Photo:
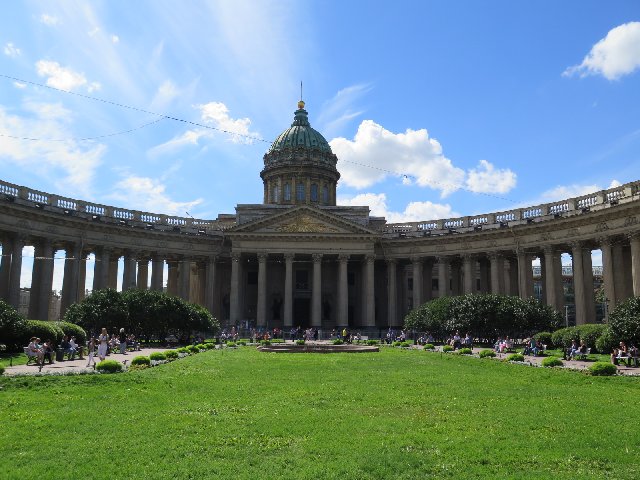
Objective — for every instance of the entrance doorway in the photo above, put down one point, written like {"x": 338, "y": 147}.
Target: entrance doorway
{"x": 301, "y": 311}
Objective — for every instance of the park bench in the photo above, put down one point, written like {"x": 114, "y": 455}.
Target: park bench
{"x": 582, "y": 356}
{"x": 31, "y": 356}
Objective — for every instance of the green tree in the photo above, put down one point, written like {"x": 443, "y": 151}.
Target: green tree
{"x": 12, "y": 327}
{"x": 624, "y": 321}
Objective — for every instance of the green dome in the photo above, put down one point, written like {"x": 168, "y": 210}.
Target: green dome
{"x": 300, "y": 134}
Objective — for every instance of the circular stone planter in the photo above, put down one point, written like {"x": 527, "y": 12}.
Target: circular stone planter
{"x": 318, "y": 348}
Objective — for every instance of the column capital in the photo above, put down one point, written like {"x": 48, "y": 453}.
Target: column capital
{"x": 469, "y": 256}
{"x": 317, "y": 257}
{"x": 416, "y": 259}
{"x": 344, "y": 257}
{"x": 549, "y": 249}
{"x": 391, "y": 261}
{"x": 633, "y": 235}
{"x": 212, "y": 258}
{"x": 370, "y": 257}
{"x": 442, "y": 259}
{"x": 235, "y": 257}
{"x": 289, "y": 257}
{"x": 262, "y": 257}
{"x": 605, "y": 241}
{"x": 495, "y": 256}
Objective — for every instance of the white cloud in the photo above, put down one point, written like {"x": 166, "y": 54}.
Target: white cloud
{"x": 614, "y": 56}
{"x": 10, "y": 50}
{"x": 339, "y": 111}
{"x": 166, "y": 93}
{"x": 93, "y": 32}
{"x": 148, "y": 194}
{"x": 375, "y": 153}
{"x": 115, "y": 39}
{"x": 63, "y": 78}
{"x": 614, "y": 183}
{"x": 486, "y": 179}
{"x": 413, "y": 212}
{"x": 71, "y": 164}
{"x": 50, "y": 20}
{"x": 190, "y": 137}
{"x": 19, "y": 85}
{"x": 217, "y": 114}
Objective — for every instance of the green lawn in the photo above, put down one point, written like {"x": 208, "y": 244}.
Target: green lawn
{"x": 394, "y": 414}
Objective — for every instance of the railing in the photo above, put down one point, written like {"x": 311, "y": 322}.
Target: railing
{"x": 95, "y": 211}
{"x": 572, "y": 206}
{"x": 567, "y": 271}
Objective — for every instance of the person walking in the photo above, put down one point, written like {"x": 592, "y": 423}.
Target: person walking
{"x": 103, "y": 338}
{"x": 123, "y": 342}
{"x": 91, "y": 347}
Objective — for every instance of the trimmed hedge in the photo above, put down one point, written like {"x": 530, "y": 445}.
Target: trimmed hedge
{"x": 300, "y": 341}
{"x": 12, "y": 327}
{"x": 447, "y": 348}
{"x": 552, "y": 362}
{"x": 43, "y": 330}
{"x": 74, "y": 330}
{"x": 140, "y": 360}
{"x": 607, "y": 341}
{"x": 182, "y": 350}
{"x": 624, "y": 321}
{"x": 171, "y": 354}
{"x": 487, "y": 353}
{"x": 515, "y": 357}
{"x": 545, "y": 338}
{"x": 429, "y": 346}
{"x": 372, "y": 342}
{"x": 193, "y": 349}
{"x": 157, "y": 356}
{"x": 338, "y": 341}
{"x": 465, "y": 351}
{"x": 603, "y": 369}
{"x": 109, "y": 366}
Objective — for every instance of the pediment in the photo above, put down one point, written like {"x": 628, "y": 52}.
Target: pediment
{"x": 303, "y": 220}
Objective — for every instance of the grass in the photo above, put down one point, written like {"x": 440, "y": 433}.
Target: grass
{"x": 394, "y": 414}
{"x": 17, "y": 358}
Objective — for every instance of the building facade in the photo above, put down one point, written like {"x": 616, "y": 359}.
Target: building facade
{"x": 300, "y": 259}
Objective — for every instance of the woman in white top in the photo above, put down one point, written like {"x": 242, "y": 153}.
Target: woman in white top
{"x": 103, "y": 338}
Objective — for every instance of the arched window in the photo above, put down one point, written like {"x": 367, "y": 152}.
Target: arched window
{"x": 300, "y": 194}
{"x": 287, "y": 192}
{"x": 275, "y": 194}
{"x": 325, "y": 195}
{"x": 314, "y": 192}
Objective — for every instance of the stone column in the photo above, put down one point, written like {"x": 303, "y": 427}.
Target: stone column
{"x": 129, "y": 272}
{"x": 71, "y": 279}
{"x": 288, "y": 289}
{"x": 455, "y": 277}
{"x": 427, "y": 283}
{"x": 417, "y": 281}
{"x": 101, "y": 268}
{"x": 184, "y": 279}
{"x": 261, "y": 314}
{"x": 484, "y": 275}
{"x": 468, "y": 262}
{"x": 370, "y": 315}
{"x": 234, "y": 296}
{"x": 142, "y": 282}
{"x": 524, "y": 272}
{"x": 209, "y": 288}
{"x": 5, "y": 268}
{"x": 392, "y": 292}
{"x": 47, "y": 281}
{"x": 578, "y": 283}
{"x": 343, "y": 291}
{"x": 316, "y": 292}
{"x": 36, "y": 281}
{"x": 157, "y": 273}
{"x": 608, "y": 274}
{"x": 112, "y": 279}
{"x": 497, "y": 273}
{"x": 634, "y": 239}
{"x": 443, "y": 276}
{"x": 82, "y": 276}
{"x": 16, "y": 270}
{"x": 553, "y": 283}
{"x": 589, "y": 293}
{"x": 201, "y": 268}
{"x": 513, "y": 276}
{"x": 172, "y": 279}
{"x": 618, "y": 272}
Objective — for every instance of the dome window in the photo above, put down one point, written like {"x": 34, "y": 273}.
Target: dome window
{"x": 314, "y": 192}
{"x": 275, "y": 194}
{"x": 300, "y": 193}
{"x": 287, "y": 192}
{"x": 325, "y": 195}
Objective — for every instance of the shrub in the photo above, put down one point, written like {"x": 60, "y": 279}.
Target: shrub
{"x": 142, "y": 366}
{"x": 265, "y": 343}
{"x": 396, "y": 344}
{"x": 372, "y": 342}
{"x": 73, "y": 330}
{"x": 447, "y": 348}
{"x": 171, "y": 354}
{"x": 140, "y": 360}
{"x": 603, "y": 369}
{"x": 12, "y": 327}
{"x": 515, "y": 357}
{"x": 157, "y": 356}
{"x": 232, "y": 344}
{"x": 624, "y": 321}
{"x": 300, "y": 341}
{"x": 182, "y": 350}
{"x": 193, "y": 349}
{"x": 1, "y": 370}
{"x": 606, "y": 342}
{"x": 552, "y": 362}
{"x": 109, "y": 366}
{"x": 338, "y": 341}
{"x": 405, "y": 344}
{"x": 565, "y": 336}
{"x": 429, "y": 346}
{"x": 487, "y": 353}
{"x": 465, "y": 351}
{"x": 210, "y": 346}
{"x": 545, "y": 338}
{"x": 589, "y": 334}
{"x": 201, "y": 346}
{"x": 43, "y": 330}
{"x": 241, "y": 342}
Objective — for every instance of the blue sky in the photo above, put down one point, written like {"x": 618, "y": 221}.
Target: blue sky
{"x": 462, "y": 107}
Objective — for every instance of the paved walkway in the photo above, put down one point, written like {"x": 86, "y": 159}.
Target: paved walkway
{"x": 75, "y": 366}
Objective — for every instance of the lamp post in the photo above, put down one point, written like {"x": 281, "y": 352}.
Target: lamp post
{"x": 566, "y": 315}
